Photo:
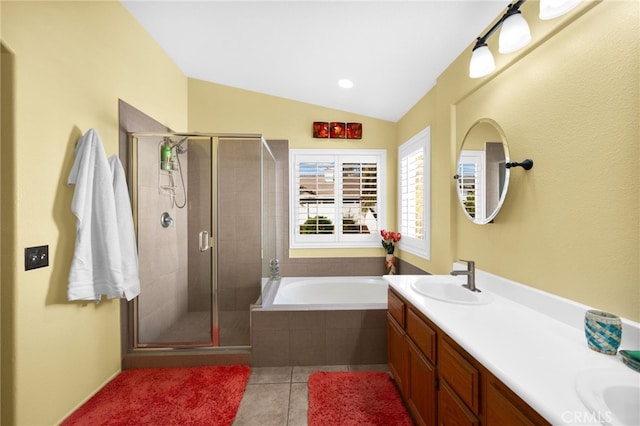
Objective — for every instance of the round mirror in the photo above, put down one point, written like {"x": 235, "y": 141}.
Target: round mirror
{"x": 482, "y": 177}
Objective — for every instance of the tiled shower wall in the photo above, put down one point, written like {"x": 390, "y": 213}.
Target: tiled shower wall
{"x": 162, "y": 251}
{"x": 239, "y": 238}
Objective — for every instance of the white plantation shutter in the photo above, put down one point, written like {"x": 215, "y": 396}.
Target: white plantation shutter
{"x": 414, "y": 194}
{"x": 470, "y": 183}
{"x": 359, "y": 197}
{"x": 315, "y": 185}
{"x": 337, "y": 197}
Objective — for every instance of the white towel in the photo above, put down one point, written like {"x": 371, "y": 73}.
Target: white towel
{"x": 97, "y": 266}
{"x": 126, "y": 231}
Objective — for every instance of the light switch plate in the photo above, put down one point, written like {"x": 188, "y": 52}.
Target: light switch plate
{"x": 36, "y": 257}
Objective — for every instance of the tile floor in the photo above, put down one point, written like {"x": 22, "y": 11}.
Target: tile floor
{"x": 277, "y": 396}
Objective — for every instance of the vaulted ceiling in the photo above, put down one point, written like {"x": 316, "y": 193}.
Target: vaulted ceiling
{"x": 392, "y": 51}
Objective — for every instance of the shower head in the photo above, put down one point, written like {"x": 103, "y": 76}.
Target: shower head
{"x": 178, "y": 145}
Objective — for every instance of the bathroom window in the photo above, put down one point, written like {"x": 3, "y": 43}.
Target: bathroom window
{"x": 414, "y": 194}
{"x": 337, "y": 197}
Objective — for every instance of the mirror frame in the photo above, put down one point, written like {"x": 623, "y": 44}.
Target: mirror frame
{"x": 489, "y": 218}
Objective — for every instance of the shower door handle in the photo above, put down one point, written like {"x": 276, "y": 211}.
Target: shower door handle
{"x": 205, "y": 243}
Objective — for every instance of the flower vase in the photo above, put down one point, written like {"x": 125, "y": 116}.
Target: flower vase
{"x": 390, "y": 264}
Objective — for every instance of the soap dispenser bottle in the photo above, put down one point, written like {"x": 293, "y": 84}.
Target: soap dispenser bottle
{"x": 166, "y": 154}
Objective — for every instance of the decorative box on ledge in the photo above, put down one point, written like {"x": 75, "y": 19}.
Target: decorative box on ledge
{"x": 336, "y": 130}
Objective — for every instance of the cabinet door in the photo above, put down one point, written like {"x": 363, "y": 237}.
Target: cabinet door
{"x": 452, "y": 411}
{"x": 505, "y": 408}
{"x": 422, "y": 387}
{"x": 398, "y": 355}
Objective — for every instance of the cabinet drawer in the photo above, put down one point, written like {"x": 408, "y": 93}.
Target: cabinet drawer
{"x": 460, "y": 374}
{"x": 422, "y": 334}
{"x": 396, "y": 308}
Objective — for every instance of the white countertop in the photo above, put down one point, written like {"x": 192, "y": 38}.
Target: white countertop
{"x": 532, "y": 341}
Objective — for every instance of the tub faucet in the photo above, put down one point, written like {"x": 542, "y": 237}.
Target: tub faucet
{"x": 274, "y": 269}
{"x": 470, "y": 273}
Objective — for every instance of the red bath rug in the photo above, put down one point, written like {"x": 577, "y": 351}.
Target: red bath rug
{"x": 355, "y": 398}
{"x": 167, "y": 396}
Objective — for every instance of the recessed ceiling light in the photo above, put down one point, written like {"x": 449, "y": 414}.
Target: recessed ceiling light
{"x": 345, "y": 83}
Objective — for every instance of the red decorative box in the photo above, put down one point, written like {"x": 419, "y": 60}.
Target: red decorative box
{"x": 320, "y": 129}
{"x": 337, "y": 130}
{"x": 354, "y": 130}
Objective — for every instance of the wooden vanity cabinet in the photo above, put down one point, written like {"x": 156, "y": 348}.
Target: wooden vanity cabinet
{"x": 440, "y": 382}
{"x": 397, "y": 347}
{"x": 413, "y": 371}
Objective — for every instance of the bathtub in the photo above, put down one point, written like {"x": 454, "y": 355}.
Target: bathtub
{"x": 328, "y": 293}
{"x": 320, "y": 321}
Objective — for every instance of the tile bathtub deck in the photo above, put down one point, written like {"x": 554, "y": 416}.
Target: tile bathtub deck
{"x": 278, "y": 396}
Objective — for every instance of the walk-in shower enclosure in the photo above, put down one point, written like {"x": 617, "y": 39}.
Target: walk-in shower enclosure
{"x": 204, "y": 210}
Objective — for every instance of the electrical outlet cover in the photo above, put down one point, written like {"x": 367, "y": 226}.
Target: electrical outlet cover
{"x": 36, "y": 257}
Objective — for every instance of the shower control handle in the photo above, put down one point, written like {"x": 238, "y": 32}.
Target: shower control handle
{"x": 205, "y": 242}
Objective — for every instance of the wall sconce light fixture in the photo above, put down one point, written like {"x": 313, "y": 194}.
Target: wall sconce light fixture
{"x": 550, "y": 9}
{"x": 514, "y": 35}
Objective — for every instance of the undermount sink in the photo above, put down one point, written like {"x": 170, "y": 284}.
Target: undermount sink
{"x": 613, "y": 397}
{"x": 447, "y": 289}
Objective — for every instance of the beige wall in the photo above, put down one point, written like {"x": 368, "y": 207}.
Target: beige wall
{"x": 570, "y": 226}
{"x": 73, "y": 60}
{"x": 3, "y": 70}
{"x": 223, "y": 109}
{"x": 429, "y": 113}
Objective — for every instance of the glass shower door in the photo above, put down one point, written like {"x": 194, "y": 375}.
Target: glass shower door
{"x": 204, "y": 208}
{"x": 172, "y": 181}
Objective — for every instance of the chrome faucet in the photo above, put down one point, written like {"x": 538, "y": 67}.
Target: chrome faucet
{"x": 470, "y": 273}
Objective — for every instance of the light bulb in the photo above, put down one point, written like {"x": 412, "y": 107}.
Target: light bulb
{"x": 481, "y": 63}
{"x": 514, "y": 35}
{"x": 550, "y": 9}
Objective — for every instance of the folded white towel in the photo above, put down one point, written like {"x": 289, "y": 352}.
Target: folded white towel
{"x": 96, "y": 268}
{"x": 126, "y": 230}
